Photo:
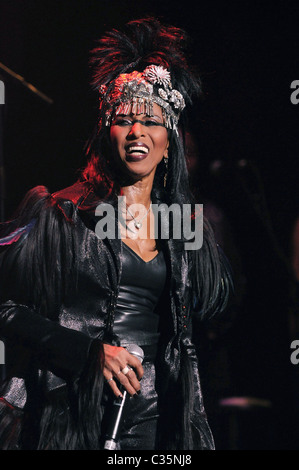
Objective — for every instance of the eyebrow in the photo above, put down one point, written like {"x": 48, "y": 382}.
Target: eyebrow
{"x": 130, "y": 116}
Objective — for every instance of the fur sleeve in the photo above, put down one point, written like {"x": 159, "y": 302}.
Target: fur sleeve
{"x": 37, "y": 267}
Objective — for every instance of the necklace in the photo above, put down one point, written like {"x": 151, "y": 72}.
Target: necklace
{"x": 138, "y": 223}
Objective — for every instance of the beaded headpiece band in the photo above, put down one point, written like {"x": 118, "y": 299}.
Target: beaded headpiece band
{"x": 140, "y": 90}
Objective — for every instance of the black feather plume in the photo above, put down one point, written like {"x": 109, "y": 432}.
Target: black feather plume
{"x": 141, "y": 43}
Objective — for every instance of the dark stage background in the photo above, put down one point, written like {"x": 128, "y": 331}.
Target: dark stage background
{"x": 245, "y": 133}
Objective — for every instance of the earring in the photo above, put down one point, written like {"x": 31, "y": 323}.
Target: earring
{"x": 166, "y": 170}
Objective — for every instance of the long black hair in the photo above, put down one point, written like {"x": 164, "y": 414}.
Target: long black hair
{"x": 141, "y": 43}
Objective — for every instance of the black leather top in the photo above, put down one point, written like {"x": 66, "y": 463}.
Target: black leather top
{"x": 142, "y": 283}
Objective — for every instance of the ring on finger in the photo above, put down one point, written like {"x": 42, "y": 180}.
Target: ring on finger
{"x": 109, "y": 380}
{"x": 125, "y": 370}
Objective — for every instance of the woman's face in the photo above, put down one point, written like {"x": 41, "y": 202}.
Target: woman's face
{"x": 140, "y": 141}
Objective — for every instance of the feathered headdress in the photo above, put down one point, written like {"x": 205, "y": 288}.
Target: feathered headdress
{"x": 142, "y": 65}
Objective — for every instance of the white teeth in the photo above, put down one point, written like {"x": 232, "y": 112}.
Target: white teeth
{"x": 137, "y": 149}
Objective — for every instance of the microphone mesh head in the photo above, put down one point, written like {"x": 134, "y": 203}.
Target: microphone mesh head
{"x": 136, "y": 351}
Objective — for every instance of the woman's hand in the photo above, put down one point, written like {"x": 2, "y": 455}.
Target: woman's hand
{"x": 117, "y": 361}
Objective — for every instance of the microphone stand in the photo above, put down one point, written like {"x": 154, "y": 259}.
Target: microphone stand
{"x": 32, "y": 89}
{"x": 21, "y": 80}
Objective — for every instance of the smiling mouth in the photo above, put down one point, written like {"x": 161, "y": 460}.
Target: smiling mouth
{"x": 136, "y": 152}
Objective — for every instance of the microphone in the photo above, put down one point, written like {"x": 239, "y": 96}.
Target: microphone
{"x": 118, "y": 407}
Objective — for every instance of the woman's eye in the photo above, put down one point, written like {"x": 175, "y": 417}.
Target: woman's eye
{"x": 151, "y": 123}
{"x": 123, "y": 122}
{"x": 128, "y": 122}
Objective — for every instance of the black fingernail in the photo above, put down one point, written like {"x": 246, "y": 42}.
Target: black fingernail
{"x": 138, "y": 392}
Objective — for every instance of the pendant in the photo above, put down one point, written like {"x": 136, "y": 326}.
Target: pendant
{"x": 138, "y": 225}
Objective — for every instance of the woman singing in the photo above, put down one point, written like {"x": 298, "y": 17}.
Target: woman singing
{"x": 93, "y": 269}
